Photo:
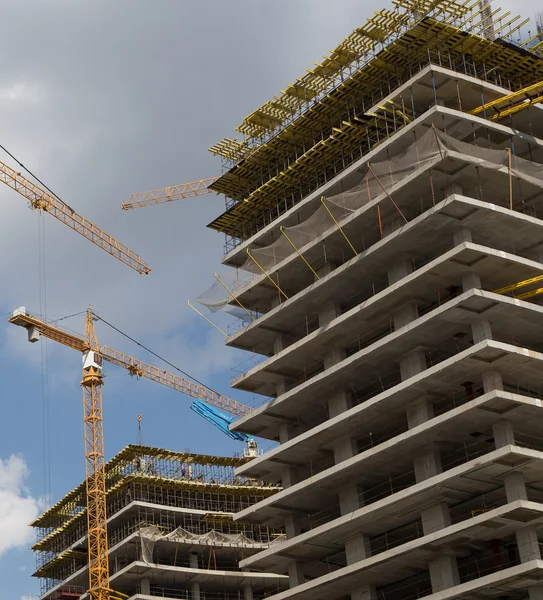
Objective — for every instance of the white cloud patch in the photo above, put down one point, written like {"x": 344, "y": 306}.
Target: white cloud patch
{"x": 22, "y": 93}
{"x": 17, "y": 507}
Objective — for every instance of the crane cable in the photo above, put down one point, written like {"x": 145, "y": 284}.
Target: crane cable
{"x": 42, "y": 276}
{"x": 153, "y": 353}
{"x": 35, "y": 177}
{"x": 46, "y": 433}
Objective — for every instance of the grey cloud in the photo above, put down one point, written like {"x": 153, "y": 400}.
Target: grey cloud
{"x": 103, "y": 99}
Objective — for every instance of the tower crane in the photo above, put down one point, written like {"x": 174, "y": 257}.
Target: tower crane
{"x": 168, "y": 194}
{"x": 40, "y": 199}
{"x": 92, "y": 382}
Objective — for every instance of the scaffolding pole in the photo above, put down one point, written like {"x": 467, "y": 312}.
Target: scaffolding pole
{"x": 282, "y": 229}
{"x": 234, "y": 297}
{"x": 338, "y": 226}
{"x": 265, "y": 272}
{"x": 204, "y": 317}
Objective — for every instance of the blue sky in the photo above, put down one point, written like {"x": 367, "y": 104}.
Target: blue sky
{"x": 102, "y": 100}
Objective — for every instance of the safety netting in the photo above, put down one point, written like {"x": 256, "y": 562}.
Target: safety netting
{"x": 375, "y": 184}
{"x": 151, "y": 534}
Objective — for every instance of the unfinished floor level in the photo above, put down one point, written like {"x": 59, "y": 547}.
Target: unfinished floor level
{"x": 385, "y": 260}
{"x": 170, "y": 528}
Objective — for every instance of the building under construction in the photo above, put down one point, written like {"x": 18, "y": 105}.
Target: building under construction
{"x": 170, "y": 530}
{"x": 385, "y": 244}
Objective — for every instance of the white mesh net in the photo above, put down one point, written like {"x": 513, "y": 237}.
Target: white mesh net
{"x": 379, "y": 177}
{"x": 150, "y": 535}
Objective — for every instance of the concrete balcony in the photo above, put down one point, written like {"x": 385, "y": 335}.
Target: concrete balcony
{"x": 458, "y": 122}
{"x": 371, "y": 320}
{"x": 430, "y": 235}
{"x": 377, "y": 366}
{"x": 413, "y": 195}
{"x": 401, "y": 562}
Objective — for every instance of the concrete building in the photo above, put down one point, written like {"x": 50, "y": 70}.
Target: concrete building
{"x": 170, "y": 528}
{"x": 385, "y": 234}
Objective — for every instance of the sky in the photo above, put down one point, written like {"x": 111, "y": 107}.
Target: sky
{"x": 103, "y": 99}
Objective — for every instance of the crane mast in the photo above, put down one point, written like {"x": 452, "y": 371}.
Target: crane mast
{"x": 95, "y": 466}
{"x": 92, "y": 382}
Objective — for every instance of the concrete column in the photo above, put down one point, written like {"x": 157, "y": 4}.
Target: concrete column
{"x": 427, "y": 462}
{"x": 145, "y": 585}
{"x": 357, "y": 548}
{"x": 515, "y": 487}
{"x": 464, "y": 235}
{"x": 295, "y": 574}
{"x": 328, "y": 313}
{"x": 289, "y": 475}
{"x": 286, "y": 432}
{"x": 280, "y": 387}
{"x": 292, "y": 525}
{"x": 471, "y": 281}
{"x": 435, "y": 517}
{"x": 419, "y": 412}
{"x": 444, "y": 573}
{"x": 412, "y": 364}
{"x": 400, "y": 270}
{"x": 247, "y": 592}
{"x": 481, "y": 330}
{"x": 195, "y": 586}
{"x": 339, "y": 404}
{"x": 503, "y": 433}
{"x": 351, "y": 498}
{"x": 454, "y": 188}
{"x": 492, "y": 381}
{"x": 528, "y": 544}
{"x": 405, "y": 315}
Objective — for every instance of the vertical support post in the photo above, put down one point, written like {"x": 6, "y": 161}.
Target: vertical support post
{"x": 95, "y": 469}
{"x": 510, "y": 178}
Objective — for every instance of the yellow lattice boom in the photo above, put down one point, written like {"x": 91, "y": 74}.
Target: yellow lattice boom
{"x": 168, "y": 194}
{"x": 132, "y": 365}
{"x": 43, "y": 200}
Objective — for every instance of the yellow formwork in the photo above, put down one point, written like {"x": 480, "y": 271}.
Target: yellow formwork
{"x": 365, "y": 56}
{"x": 425, "y": 34}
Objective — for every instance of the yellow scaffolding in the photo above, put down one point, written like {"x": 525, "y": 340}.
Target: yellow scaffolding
{"x": 306, "y": 105}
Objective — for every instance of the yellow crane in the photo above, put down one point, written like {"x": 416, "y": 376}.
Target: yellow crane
{"x": 506, "y": 105}
{"x": 40, "y": 199}
{"x": 93, "y": 357}
{"x": 168, "y": 194}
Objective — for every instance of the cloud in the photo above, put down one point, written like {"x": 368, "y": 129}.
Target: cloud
{"x": 17, "y": 507}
